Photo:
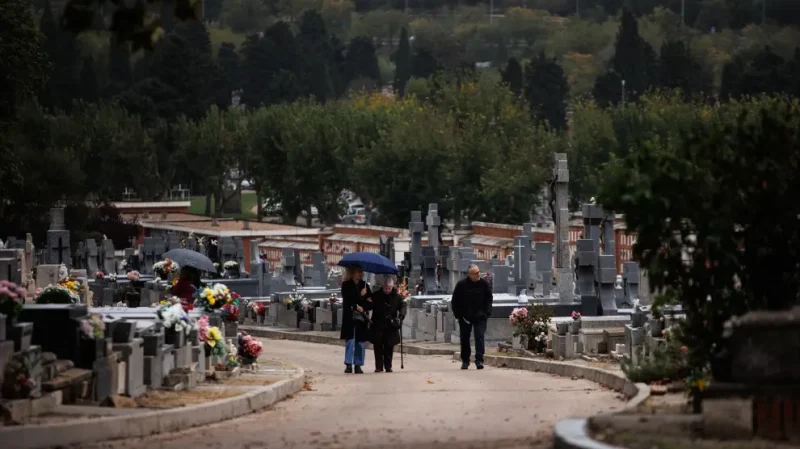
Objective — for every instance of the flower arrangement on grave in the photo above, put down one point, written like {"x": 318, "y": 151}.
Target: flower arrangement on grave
{"x": 165, "y": 267}
{"x": 174, "y": 317}
{"x": 308, "y": 307}
{"x": 112, "y": 277}
{"x": 250, "y": 349}
{"x": 214, "y": 345}
{"x": 258, "y": 308}
{"x": 73, "y": 284}
{"x": 531, "y": 322}
{"x": 99, "y": 275}
{"x": 217, "y": 265}
{"x": 133, "y": 275}
{"x": 232, "y": 361}
{"x": 120, "y": 304}
{"x": 402, "y": 290}
{"x": 17, "y": 380}
{"x": 230, "y": 312}
{"x": 231, "y": 265}
{"x": 123, "y": 265}
{"x": 576, "y": 316}
{"x": 63, "y": 273}
{"x": 202, "y": 327}
{"x": 57, "y": 294}
{"x": 333, "y": 298}
{"x": 12, "y": 297}
{"x": 93, "y": 327}
{"x": 213, "y": 298}
{"x": 518, "y": 319}
{"x": 296, "y": 301}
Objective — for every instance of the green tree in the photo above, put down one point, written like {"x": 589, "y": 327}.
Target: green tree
{"x": 361, "y": 60}
{"x": 230, "y": 73}
{"x": 546, "y": 91}
{"x": 512, "y": 76}
{"x": 317, "y": 71}
{"x": 63, "y": 53}
{"x": 678, "y": 69}
{"x": 270, "y": 67}
{"x": 403, "y": 63}
{"x": 87, "y": 83}
{"x": 120, "y": 74}
{"x": 246, "y": 16}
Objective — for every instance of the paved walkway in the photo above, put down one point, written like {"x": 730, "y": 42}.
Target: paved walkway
{"x": 430, "y": 404}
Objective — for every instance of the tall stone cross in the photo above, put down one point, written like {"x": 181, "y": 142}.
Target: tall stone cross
{"x": 416, "y": 227}
{"x": 559, "y": 203}
{"x": 433, "y": 221}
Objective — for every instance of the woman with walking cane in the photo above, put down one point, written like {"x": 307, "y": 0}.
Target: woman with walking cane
{"x": 388, "y": 311}
{"x": 355, "y": 323}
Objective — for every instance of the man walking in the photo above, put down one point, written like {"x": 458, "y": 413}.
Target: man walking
{"x": 472, "y": 307}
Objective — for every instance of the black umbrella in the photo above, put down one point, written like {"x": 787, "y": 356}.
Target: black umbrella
{"x": 189, "y": 258}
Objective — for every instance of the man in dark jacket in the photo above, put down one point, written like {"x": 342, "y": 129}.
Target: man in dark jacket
{"x": 472, "y": 307}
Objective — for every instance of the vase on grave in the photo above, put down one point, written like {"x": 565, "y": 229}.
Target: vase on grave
{"x": 260, "y": 319}
{"x": 138, "y": 285}
{"x": 133, "y": 299}
{"x": 163, "y": 276}
{"x": 763, "y": 348}
{"x": 562, "y": 328}
{"x": 176, "y": 338}
{"x": 231, "y": 329}
{"x": 247, "y": 361}
{"x": 575, "y": 327}
{"x": 638, "y": 319}
{"x": 232, "y": 274}
{"x": 657, "y": 327}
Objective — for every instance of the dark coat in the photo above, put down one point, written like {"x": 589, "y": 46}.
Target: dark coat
{"x": 386, "y": 307}
{"x": 351, "y": 297}
{"x": 472, "y": 300}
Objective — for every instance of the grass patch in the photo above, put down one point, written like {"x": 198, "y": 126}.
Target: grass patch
{"x": 198, "y": 206}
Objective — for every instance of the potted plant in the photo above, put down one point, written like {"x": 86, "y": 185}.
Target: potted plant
{"x": 176, "y": 321}
{"x": 230, "y": 315}
{"x": 12, "y": 297}
{"x": 164, "y": 268}
{"x": 575, "y": 324}
{"x": 57, "y": 294}
{"x": 518, "y": 319}
{"x": 231, "y": 269}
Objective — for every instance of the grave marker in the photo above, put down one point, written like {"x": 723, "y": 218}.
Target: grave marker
{"x": 559, "y": 205}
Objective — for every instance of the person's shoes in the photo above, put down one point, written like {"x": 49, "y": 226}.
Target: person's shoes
{"x": 358, "y": 370}
{"x": 379, "y": 370}
{"x": 349, "y": 369}
{"x": 465, "y": 366}
{"x": 389, "y": 370}
{"x": 479, "y": 365}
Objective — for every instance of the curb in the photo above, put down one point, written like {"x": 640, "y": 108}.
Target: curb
{"x": 148, "y": 423}
{"x": 571, "y": 434}
{"x": 277, "y": 334}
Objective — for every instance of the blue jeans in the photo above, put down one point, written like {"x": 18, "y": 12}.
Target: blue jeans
{"x": 355, "y": 352}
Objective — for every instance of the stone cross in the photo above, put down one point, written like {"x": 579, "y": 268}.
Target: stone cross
{"x": 593, "y": 216}
{"x": 433, "y": 221}
{"x": 289, "y": 261}
{"x": 173, "y": 241}
{"x": 522, "y": 257}
{"x": 58, "y": 239}
{"x": 559, "y": 205}
{"x": 416, "y": 227}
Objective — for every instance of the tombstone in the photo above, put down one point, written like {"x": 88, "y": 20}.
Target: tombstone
{"x": 191, "y": 243}
{"x": 522, "y": 248}
{"x": 593, "y": 216}
{"x": 416, "y": 228}
{"x": 429, "y": 267}
{"x": 387, "y": 247}
{"x": 316, "y": 274}
{"x": 606, "y": 275}
{"x": 109, "y": 257}
{"x": 544, "y": 266}
{"x": 609, "y": 245}
{"x": 228, "y": 250}
{"x": 434, "y": 222}
{"x": 92, "y": 256}
{"x": 289, "y": 261}
{"x": 173, "y": 241}
{"x": 47, "y": 275}
{"x": 559, "y": 206}
{"x": 9, "y": 267}
{"x": 630, "y": 282}
{"x": 444, "y": 271}
{"x": 148, "y": 255}
{"x": 239, "y": 251}
{"x": 586, "y": 262}
{"x": 58, "y": 249}
{"x": 500, "y": 275}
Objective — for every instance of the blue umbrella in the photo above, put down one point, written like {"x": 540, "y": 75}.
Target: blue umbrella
{"x": 369, "y": 262}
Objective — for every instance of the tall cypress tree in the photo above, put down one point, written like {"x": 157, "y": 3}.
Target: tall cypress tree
{"x": 512, "y": 76}
{"x": 678, "y": 69}
{"x": 317, "y": 71}
{"x": 361, "y": 59}
{"x": 63, "y": 52}
{"x": 230, "y": 71}
{"x": 402, "y": 63}
{"x": 546, "y": 90}
{"x": 120, "y": 73}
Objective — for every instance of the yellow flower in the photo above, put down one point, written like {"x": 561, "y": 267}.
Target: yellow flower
{"x": 701, "y": 384}
{"x": 211, "y": 300}
{"x": 213, "y": 336}
{"x": 163, "y": 303}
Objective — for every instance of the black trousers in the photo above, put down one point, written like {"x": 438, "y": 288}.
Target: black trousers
{"x": 383, "y": 353}
{"x": 465, "y": 329}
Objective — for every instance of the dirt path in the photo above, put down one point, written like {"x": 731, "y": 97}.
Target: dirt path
{"x": 432, "y": 403}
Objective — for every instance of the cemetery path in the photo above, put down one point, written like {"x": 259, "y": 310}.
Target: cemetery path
{"x": 432, "y": 403}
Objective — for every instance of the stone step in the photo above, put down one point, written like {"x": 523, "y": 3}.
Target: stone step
{"x": 74, "y": 384}
{"x": 53, "y": 369}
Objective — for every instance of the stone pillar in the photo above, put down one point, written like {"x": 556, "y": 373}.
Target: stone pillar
{"x": 560, "y": 210}
{"x": 544, "y": 266}
{"x": 416, "y": 227}
{"x": 433, "y": 221}
{"x": 609, "y": 244}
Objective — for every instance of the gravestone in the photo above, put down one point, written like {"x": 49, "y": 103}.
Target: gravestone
{"x": 109, "y": 257}
{"x": 9, "y": 267}
{"x": 522, "y": 256}
{"x": 387, "y": 247}
{"x": 289, "y": 260}
{"x": 148, "y": 255}
{"x": 47, "y": 275}
{"x": 173, "y": 241}
{"x": 79, "y": 260}
{"x": 228, "y": 250}
{"x": 433, "y": 221}
{"x": 609, "y": 245}
{"x": 429, "y": 267}
{"x": 93, "y": 260}
{"x": 500, "y": 275}
{"x": 606, "y": 275}
{"x": 58, "y": 249}
{"x": 444, "y": 271}
{"x": 191, "y": 243}
{"x": 416, "y": 227}
{"x": 630, "y": 283}
{"x": 586, "y": 262}
{"x": 239, "y": 251}
{"x": 593, "y": 216}
{"x": 559, "y": 206}
{"x": 544, "y": 267}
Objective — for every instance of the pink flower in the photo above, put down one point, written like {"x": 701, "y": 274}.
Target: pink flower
{"x": 4, "y": 291}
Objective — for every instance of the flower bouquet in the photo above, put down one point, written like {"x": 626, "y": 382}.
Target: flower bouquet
{"x": 17, "y": 381}
{"x": 530, "y": 323}
{"x": 295, "y": 302}
{"x": 112, "y": 277}
{"x": 133, "y": 275}
{"x": 99, "y": 275}
{"x": 93, "y": 327}
{"x": 402, "y": 290}
{"x": 232, "y": 361}
{"x": 12, "y": 297}
{"x": 164, "y": 268}
{"x": 333, "y": 298}
{"x": 73, "y": 284}
{"x": 230, "y": 312}
{"x": 258, "y": 308}
{"x": 202, "y": 327}
{"x": 175, "y": 318}
{"x": 214, "y": 344}
{"x": 231, "y": 265}
{"x": 575, "y": 325}
{"x": 57, "y": 294}
{"x": 213, "y": 298}
{"x": 249, "y": 349}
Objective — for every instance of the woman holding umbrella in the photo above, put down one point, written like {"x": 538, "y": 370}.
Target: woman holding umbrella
{"x": 355, "y": 294}
{"x": 188, "y": 283}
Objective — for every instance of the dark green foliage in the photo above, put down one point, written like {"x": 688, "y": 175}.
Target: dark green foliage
{"x": 512, "y": 76}
{"x": 87, "y": 83}
{"x": 423, "y": 63}
{"x": 64, "y": 56}
{"x": 270, "y": 66}
{"x": 120, "y": 74}
{"x": 361, "y": 60}
{"x": 230, "y": 67}
{"x": 678, "y": 69}
{"x": 546, "y": 91}
{"x": 402, "y": 63}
